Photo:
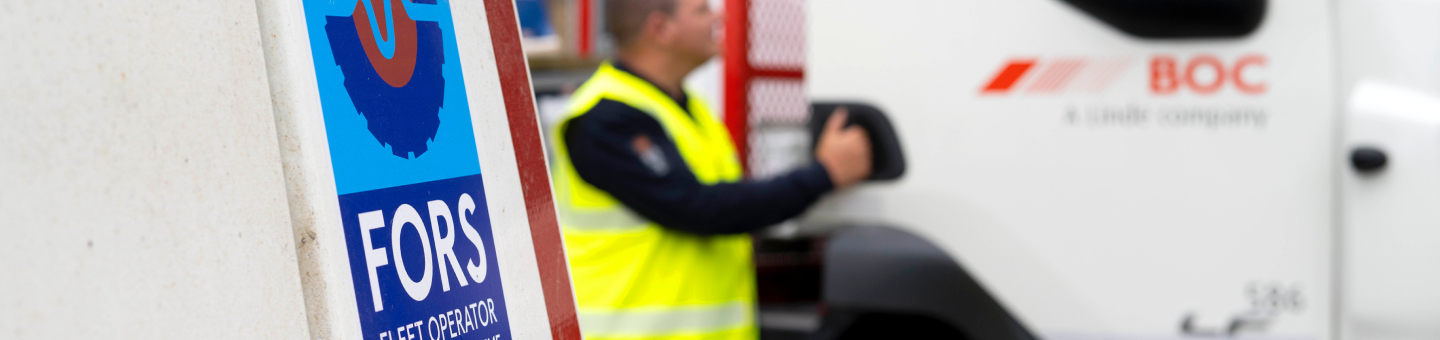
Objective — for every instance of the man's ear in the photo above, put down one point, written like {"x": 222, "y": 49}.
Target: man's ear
{"x": 658, "y": 28}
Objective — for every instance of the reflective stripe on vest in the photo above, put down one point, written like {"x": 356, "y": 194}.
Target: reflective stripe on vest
{"x": 633, "y": 278}
{"x": 601, "y": 219}
{"x": 656, "y": 322}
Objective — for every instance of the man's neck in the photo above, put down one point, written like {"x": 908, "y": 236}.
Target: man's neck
{"x": 666, "y": 72}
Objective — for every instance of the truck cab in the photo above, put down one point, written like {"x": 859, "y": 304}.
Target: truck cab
{"x": 1106, "y": 169}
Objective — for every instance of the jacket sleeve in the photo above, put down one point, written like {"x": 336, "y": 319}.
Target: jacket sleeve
{"x": 600, "y": 147}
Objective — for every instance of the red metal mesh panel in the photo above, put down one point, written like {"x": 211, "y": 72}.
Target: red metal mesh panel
{"x": 777, "y": 101}
{"x": 777, "y": 34}
{"x": 766, "y": 107}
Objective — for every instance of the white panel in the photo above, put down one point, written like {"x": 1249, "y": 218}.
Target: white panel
{"x": 1391, "y": 239}
{"x": 142, "y": 188}
{"x": 308, "y": 172}
{"x": 1113, "y": 212}
{"x": 1396, "y": 41}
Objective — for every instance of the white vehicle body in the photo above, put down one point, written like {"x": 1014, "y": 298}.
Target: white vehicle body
{"x": 1122, "y": 188}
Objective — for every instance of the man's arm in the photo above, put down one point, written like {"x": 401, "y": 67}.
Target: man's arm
{"x": 609, "y": 147}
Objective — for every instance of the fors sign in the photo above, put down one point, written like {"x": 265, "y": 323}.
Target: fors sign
{"x": 444, "y": 247}
{"x": 407, "y": 170}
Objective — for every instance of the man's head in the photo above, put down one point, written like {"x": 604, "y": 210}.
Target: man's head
{"x": 682, "y": 29}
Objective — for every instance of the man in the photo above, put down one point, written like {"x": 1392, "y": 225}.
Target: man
{"x": 650, "y": 191}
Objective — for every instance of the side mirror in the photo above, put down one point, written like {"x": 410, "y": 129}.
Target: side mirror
{"x": 889, "y": 159}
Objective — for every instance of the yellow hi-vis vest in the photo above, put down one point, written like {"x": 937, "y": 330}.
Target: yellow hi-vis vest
{"x": 633, "y": 278}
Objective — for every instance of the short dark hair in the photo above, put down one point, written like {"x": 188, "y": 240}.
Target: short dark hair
{"x": 625, "y": 18}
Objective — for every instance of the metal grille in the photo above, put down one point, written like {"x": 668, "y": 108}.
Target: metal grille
{"x": 777, "y": 34}
{"x": 766, "y": 106}
{"x": 778, "y": 101}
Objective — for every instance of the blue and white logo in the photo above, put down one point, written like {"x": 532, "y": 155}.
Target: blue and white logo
{"x": 407, "y": 170}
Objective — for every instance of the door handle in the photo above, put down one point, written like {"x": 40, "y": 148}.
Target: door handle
{"x": 1368, "y": 159}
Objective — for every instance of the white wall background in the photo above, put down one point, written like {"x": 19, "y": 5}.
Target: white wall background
{"x": 140, "y": 179}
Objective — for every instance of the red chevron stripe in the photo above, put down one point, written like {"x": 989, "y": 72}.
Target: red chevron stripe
{"x": 1008, "y": 76}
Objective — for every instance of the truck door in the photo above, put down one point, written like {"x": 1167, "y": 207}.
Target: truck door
{"x": 1101, "y": 181}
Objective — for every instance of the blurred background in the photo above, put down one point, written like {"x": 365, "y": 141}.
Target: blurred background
{"x": 1043, "y": 169}
{"x": 565, "y": 41}
{"x": 1080, "y": 169}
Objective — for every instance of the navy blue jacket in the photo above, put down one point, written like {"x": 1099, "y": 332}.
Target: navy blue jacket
{"x": 600, "y": 147}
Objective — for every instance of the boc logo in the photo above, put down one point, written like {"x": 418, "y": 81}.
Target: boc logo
{"x": 392, "y": 68}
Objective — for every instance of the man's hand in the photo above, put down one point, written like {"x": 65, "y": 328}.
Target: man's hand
{"x": 844, "y": 151}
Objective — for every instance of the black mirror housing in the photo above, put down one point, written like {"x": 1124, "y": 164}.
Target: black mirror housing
{"x": 889, "y": 158}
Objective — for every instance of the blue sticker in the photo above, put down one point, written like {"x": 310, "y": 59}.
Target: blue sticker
{"x": 412, "y": 201}
{"x": 393, "y": 95}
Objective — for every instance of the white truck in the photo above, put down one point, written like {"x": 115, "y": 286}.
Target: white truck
{"x": 1112, "y": 169}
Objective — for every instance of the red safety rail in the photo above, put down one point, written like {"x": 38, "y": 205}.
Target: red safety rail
{"x": 583, "y": 44}
{"x": 781, "y": 24}
{"x": 534, "y": 175}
